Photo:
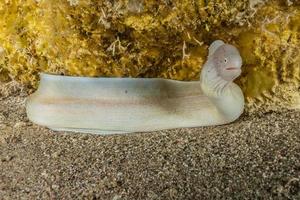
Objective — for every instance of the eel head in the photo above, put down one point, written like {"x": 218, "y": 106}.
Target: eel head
{"x": 227, "y": 61}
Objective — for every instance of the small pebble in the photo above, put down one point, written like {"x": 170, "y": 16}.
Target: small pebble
{"x": 19, "y": 124}
{"x": 3, "y": 126}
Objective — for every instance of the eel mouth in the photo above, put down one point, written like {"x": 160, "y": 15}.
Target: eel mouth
{"x": 232, "y": 68}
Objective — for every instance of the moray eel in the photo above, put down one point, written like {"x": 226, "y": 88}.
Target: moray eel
{"x": 124, "y": 105}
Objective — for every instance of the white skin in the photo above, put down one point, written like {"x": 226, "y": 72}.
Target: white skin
{"x": 228, "y": 62}
{"x": 222, "y": 67}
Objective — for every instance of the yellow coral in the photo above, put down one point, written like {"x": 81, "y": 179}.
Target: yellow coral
{"x": 132, "y": 38}
{"x": 141, "y": 22}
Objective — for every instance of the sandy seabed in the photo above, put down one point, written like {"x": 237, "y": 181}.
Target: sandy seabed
{"x": 256, "y": 157}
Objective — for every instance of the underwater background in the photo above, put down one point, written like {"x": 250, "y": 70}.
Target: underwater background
{"x": 165, "y": 38}
{"x": 255, "y": 157}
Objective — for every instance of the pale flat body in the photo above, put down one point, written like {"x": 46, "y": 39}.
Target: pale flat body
{"x": 123, "y": 105}
{"x": 93, "y": 131}
{"x": 120, "y": 105}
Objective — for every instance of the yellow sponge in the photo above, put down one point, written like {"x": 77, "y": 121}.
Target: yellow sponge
{"x": 169, "y": 39}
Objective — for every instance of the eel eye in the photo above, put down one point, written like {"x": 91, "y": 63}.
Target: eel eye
{"x": 225, "y": 60}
